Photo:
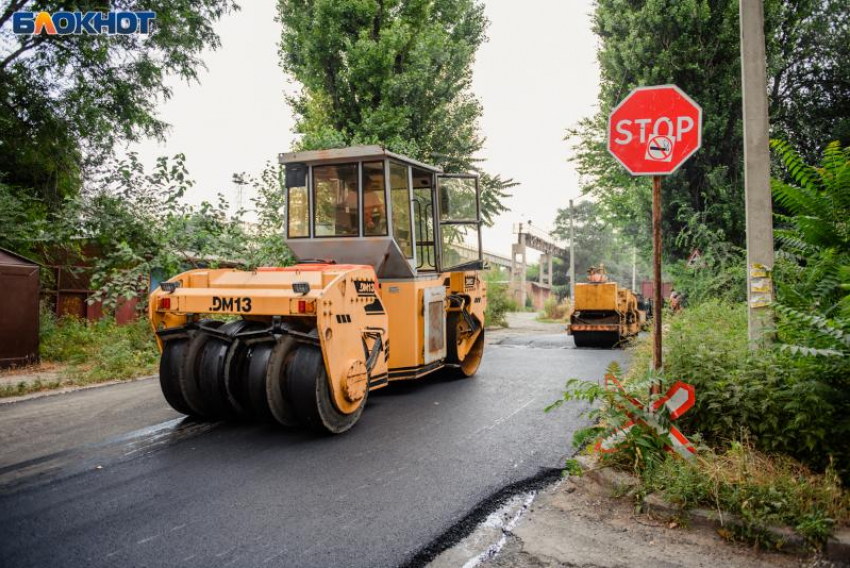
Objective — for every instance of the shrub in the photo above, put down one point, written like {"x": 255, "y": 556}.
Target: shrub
{"x": 99, "y": 351}
{"x": 499, "y": 301}
{"x": 787, "y": 404}
{"x": 642, "y": 444}
{"x": 721, "y": 274}
{"x": 554, "y": 310}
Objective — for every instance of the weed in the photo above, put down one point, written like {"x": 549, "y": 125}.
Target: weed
{"x": 92, "y": 352}
{"x": 763, "y": 490}
{"x": 572, "y": 467}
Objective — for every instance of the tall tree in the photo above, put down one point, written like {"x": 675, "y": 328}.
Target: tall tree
{"x": 695, "y": 44}
{"x": 66, "y": 100}
{"x": 391, "y": 72}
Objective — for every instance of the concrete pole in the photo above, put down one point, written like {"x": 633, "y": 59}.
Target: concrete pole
{"x": 759, "y": 205}
{"x": 519, "y": 269}
{"x": 572, "y": 256}
{"x": 549, "y": 271}
{"x": 634, "y": 270}
{"x": 541, "y": 276}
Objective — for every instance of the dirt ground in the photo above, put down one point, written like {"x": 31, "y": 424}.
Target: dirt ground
{"x": 577, "y": 524}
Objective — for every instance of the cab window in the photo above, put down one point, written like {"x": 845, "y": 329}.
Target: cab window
{"x": 400, "y": 195}
{"x": 335, "y": 201}
{"x": 423, "y": 219}
{"x": 374, "y": 200}
{"x": 299, "y": 212}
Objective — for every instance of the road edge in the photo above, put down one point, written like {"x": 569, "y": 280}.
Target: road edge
{"x": 71, "y": 389}
{"x": 469, "y": 522}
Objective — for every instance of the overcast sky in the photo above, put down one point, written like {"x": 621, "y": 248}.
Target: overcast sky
{"x": 536, "y": 76}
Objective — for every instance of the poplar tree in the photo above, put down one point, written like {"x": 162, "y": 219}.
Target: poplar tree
{"x": 391, "y": 72}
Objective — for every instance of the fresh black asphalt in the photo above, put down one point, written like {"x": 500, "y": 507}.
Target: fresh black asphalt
{"x": 170, "y": 492}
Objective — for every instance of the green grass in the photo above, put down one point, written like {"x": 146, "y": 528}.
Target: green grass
{"x": 92, "y": 352}
{"x": 763, "y": 490}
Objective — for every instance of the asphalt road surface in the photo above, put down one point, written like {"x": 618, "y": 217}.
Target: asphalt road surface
{"x": 113, "y": 477}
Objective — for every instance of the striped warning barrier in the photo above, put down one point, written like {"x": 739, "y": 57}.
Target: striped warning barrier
{"x": 678, "y": 400}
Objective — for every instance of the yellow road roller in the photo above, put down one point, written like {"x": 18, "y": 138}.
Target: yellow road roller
{"x": 387, "y": 288}
{"x": 603, "y": 314}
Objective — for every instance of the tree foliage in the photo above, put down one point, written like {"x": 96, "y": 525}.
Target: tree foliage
{"x": 597, "y": 241}
{"x": 695, "y": 44}
{"x": 390, "y": 72}
{"x": 136, "y": 223}
{"x": 67, "y": 100}
{"x": 814, "y": 261}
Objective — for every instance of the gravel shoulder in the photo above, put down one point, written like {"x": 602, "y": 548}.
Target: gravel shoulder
{"x": 577, "y": 523}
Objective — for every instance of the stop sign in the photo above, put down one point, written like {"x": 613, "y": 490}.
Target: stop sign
{"x": 654, "y": 130}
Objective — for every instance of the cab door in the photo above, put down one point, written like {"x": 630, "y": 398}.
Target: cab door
{"x": 459, "y": 210}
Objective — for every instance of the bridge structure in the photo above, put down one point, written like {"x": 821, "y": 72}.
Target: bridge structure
{"x": 548, "y": 244}
{"x": 491, "y": 258}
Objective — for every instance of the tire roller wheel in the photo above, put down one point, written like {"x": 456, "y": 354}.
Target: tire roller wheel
{"x": 191, "y": 371}
{"x": 274, "y": 379}
{"x": 310, "y": 394}
{"x": 170, "y": 373}
{"x": 248, "y": 387}
{"x": 237, "y": 364}
{"x": 469, "y": 366}
{"x": 212, "y": 377}
{"x": 597, "y": 339}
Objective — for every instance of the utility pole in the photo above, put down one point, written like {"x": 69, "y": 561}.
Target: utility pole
{"x": 759, "y": 207}
{"x": 572, "y": 254}
{"x": 634, "y": 269}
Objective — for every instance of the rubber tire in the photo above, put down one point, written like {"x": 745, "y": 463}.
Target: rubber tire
{"x": 170, "y": 372}
{"x": 191, "y": 371}
{"x": 250, "y": 390}
{"x": 596, "y": 339}
{"x": 457, "y": 367}
{"x": 309, "y": 392}
{"x": 237, "y": 363}
{"x": 211, "y": 378}
{"x": 276, "y": 376}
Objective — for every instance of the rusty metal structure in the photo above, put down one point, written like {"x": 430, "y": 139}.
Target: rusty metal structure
{"x": 19, "y": 281}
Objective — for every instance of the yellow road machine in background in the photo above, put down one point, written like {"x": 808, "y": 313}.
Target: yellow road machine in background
{"x": 387, "y": 288}
{"x": 603, "y": 314}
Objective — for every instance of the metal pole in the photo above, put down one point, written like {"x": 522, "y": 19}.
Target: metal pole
{"x": 634, "y": 270}
{"x": 759, "y": 206}
{"x": 572, "y": 255}
{"x": 657, "y": 300}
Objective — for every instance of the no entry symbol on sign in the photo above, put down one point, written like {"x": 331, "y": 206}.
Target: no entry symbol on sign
{"x": 660, "y": 149}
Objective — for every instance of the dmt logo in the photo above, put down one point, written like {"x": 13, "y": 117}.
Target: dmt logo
{"x": 78, "y": 23}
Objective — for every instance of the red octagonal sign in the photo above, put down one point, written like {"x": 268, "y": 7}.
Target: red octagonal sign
{"x": 654, "y": 130}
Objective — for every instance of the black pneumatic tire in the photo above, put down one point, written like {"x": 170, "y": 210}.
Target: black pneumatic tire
{"x": 252, "y": 394}
{"x": 275, "y": 379}
{"x": 212, "y": 378}
{"x": 191, "y": 372}
{"x": 170, "y": 371}
{"x": 237, "y": 364}
{"x": 310, "y": 394}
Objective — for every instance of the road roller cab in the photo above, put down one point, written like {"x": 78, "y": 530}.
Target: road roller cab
{"x": 603, "y": 314}
{"x": 387, "y": 288}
